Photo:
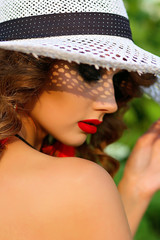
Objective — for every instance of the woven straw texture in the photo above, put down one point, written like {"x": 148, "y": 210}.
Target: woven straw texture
{"x": 99, "y": 50}
{"x": 102, "y": 51}
{"x": 11, "y": 9}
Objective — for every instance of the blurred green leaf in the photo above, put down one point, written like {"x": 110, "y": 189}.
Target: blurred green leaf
{"x": 144, "y": 18}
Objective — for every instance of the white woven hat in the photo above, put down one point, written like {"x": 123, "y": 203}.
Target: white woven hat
{"x": 94, "y": 32}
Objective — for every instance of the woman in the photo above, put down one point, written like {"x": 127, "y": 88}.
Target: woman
{"x": 66, "y": 93}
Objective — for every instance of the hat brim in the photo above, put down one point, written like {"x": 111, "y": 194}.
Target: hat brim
{"x": 99, "y": 50}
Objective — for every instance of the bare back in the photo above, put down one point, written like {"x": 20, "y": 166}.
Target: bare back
{"x": 55, "y": 198}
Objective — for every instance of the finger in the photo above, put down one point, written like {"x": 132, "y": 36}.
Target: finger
{"x": 155, "y": 126}
{"x": 151, "y": 135}
{"x": 144, "y": 144}
{"x": 147, "y": 140}
{"x": 156, "y": 151}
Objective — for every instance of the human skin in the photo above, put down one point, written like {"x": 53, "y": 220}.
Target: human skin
{"x": 66, "y": 100}
{"x": 84, "y": 101}
{"x": 92, "y": 101}
{"x": 141, "y": 179}
{"x": 48, "y": 193}
{"x": 44, "y": 197}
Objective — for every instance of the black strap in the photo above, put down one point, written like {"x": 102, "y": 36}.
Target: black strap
{"x": 24, "y": 140}
{"x": 61, "y": 24}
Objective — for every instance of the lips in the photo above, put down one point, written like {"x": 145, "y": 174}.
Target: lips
{"x": 92, "y": 121}
{"x": 89, "y": 125}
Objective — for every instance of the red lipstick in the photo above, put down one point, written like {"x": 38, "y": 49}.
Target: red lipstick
{"x": 89, "y": 125}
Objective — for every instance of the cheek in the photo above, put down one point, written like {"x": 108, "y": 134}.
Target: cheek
{"x": 66, "y": 78}
{"x": 60, "y": 107}
{"x": 68, "y": 81}
{"x": 58, "y": 114}
{"x": 75, "y": 85}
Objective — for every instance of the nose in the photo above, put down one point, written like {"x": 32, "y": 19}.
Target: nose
{"x": 106, "y": 102}
{"x": 108, "y": 106}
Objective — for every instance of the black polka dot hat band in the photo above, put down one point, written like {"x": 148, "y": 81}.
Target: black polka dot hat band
{"x": 53, "y": 25}
{"x": 95, "y": 32}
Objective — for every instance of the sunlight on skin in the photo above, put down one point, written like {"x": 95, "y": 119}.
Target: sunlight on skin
{"x": 65, "y": 77}
{"x": 65, "y": 101}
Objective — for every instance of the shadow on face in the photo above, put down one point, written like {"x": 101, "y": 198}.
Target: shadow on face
{"x": 82, "y": 80}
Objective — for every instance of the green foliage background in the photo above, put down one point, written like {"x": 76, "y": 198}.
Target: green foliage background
{"x": 145, "y": 24}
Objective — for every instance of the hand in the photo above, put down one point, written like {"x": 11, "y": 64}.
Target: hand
{"x": 141, "y": 177}
{"x": 142, "y": 169}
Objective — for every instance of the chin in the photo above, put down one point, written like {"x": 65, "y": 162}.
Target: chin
{"x": 75, "y": 141}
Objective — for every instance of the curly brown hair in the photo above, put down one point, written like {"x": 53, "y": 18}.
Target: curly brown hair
{"x": 23, "y": 77}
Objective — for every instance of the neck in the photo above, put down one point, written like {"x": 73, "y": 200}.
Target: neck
{"x": 18, "y": 157}
{"x": 32, "y": 132}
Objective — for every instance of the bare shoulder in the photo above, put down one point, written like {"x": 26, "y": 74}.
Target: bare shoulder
{"x": 82, "y": 172}
{"x": 86, "y": 201}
